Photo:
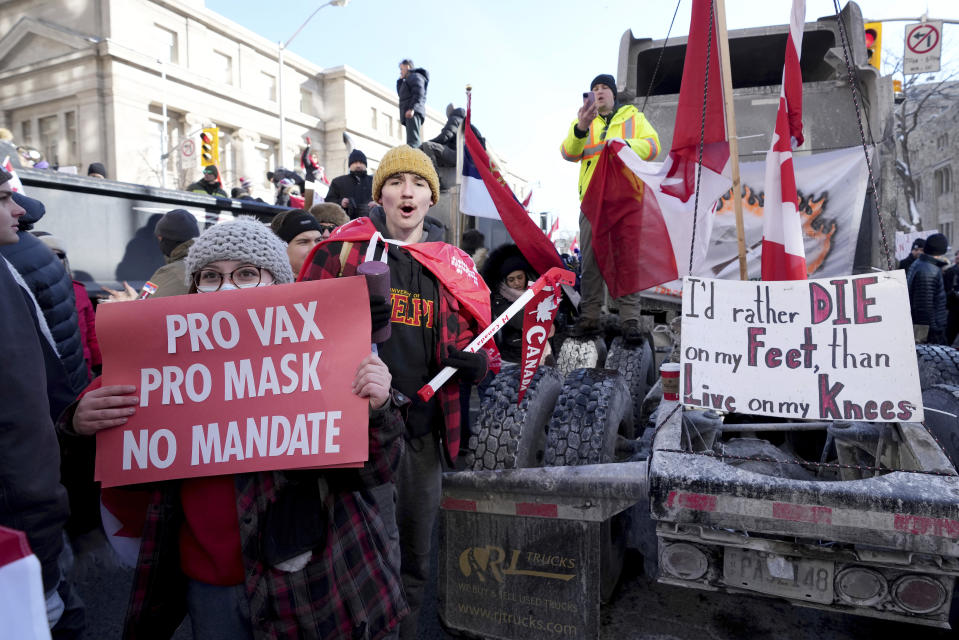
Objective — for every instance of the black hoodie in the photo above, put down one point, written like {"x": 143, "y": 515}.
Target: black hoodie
{"x": 410, "y": 353}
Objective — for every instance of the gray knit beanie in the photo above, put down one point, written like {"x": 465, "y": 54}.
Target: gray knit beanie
{"x": 242, "y": 239}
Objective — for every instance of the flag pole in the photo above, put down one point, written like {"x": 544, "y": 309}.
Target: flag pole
{"x": 459, "y": 216}
{"x": 726, "y": 74}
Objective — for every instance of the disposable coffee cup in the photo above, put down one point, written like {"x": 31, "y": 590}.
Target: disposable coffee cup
{"x": 669, "y": 371}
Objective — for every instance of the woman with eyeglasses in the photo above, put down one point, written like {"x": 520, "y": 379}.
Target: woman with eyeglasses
{"x": 289, "y": 554}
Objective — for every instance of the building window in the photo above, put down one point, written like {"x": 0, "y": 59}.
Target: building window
{"x": 223, "y": 67}
{"x": 49, "y": 129}
{"x": 26, "y": 132}
{"x": 942, "y": 141}
{"x": 918, "y": 187}
{"x": 70, "y": 129}
{"x": 373, "y": 118}
{"x": 306, "y": 102}
{"x": 166, "y": 45}
{"x": 943, "y": 178}
{"x": 389, "y": 125}
{"x": 265, "y": 160}
{"x": 945, "y": 228}
{"x": 269, "y": 85}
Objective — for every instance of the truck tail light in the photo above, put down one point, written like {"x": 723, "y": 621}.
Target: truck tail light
{"x": 684, "y": 561}
{"x": 861, "y": 586}
{"x": 918, "y": 594}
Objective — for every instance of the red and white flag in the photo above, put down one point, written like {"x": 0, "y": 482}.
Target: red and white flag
{"x": 644, "y": 214}
{"x": 23, "y": 608}
{"x": 784, "y": 257}
{"x": 15, "y": 184}
{"x": 553, "y": 228}
{"x": 483, "y": 181}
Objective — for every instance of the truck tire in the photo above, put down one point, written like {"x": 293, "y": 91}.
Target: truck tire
{"x": 635, "y": 364}
{"x": 943, "y": 397}
{"x": 579, "y": 353}
{"x": 593, "y": 407}
{"x": 511, "y": 435}
{"x": 938, "y": 364}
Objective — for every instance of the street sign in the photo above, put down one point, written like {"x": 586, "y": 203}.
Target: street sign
{"x": 923, "y": 47}
{"x": 188, "y": 154}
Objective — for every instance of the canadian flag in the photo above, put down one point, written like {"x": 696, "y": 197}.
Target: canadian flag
{"x": 784, "y": 257}
{"x": 644, "y": 215}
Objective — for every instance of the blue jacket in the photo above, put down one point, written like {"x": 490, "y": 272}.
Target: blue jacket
{"x": 53, "y": 289}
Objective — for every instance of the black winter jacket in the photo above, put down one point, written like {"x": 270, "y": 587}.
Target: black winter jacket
{"x": 53, "y": 289}
{"x": 412, "y": 92}
{"x": 357, "y": 188}
{"x": 927, "y": 296}
{"x": 31, "y": 496}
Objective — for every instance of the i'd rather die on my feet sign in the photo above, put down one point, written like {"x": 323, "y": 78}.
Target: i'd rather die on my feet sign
{"x": 236, "y": 381}
{"x": 829, "y": 349}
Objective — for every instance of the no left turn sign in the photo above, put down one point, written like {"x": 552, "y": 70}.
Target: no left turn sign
{"x": 188, "y": 154}
{"x": 923, "y": 47}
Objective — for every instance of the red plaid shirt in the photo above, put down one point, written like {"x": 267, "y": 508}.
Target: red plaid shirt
{"x": 347, "y": 590}
{"x": 456, "y": 327}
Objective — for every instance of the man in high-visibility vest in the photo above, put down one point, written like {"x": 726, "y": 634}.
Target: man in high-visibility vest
{"x": 602, "y": 118}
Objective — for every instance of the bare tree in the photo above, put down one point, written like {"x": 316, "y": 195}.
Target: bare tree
{"x": 922, "y": 102}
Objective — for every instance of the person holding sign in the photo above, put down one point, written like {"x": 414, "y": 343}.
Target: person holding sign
{"x": 281, "y": 554}
{"x": 439, "y": 303}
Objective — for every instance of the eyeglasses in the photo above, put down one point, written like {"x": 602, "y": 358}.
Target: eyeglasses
{"x": 327, "y": 228}
{"x": 209, "y": 280}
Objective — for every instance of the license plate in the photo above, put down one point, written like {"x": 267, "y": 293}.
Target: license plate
{"x": 798, "y": 578}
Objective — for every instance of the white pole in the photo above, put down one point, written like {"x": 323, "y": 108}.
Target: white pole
{"x": 163, "y": 134}
{"x": 279, "y": 100}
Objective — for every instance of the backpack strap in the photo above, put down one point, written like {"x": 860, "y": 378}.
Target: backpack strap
{"x": 344, "y": 254}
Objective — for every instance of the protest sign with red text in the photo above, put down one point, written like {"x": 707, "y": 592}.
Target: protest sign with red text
{"x": 236, "y": 381}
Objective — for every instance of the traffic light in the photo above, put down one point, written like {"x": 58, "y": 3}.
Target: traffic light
{"x": 873, "y": 43}
{"x": 209, "y": 147}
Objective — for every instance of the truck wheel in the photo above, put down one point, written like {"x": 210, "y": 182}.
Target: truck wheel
{"x": 593, "y": 407}
{"x": 635, "y": 364}
{"x": 943, "y": 397}
{"x": 511, "y": 435}
{"x": 938, "y": 364}
{"x": 579, "y": 353}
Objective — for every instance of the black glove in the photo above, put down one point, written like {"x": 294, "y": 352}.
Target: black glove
{"x": 471, "y": 366}
{"x": 380, "y": 312}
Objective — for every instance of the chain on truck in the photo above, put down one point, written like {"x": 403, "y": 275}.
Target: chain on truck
{"x": 849, "y": 516}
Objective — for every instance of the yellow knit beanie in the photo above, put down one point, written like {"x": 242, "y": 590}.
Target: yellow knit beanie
{"x": 405, "y": 159}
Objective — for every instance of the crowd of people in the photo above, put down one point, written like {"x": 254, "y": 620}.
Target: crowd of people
{"x": 359, "y": 569}
{"x": 349, "y": 549}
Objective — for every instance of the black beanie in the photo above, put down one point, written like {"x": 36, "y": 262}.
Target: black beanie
{"x": 936, "y": 244}
{"x": 608, "y": 80}
{"x": 357, "y": 156}
{"x": 296, "y": 222}
{"x": 179, "y": 225}
{"x": 97, "y": 167}
{"x": 514, "y": 263}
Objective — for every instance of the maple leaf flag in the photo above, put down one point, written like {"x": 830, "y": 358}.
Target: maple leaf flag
{"x": 645, "y": 215}
{"x": 784, "y": 257}
{"x": 553, "y": 228}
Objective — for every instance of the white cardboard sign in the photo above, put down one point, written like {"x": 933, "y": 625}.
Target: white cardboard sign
{"x": 828, "y": 349}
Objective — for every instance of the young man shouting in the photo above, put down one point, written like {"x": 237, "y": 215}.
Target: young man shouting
{"x": 438, "y": 304}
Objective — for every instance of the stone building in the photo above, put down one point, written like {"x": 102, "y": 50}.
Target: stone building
{"x": 89, "y": 80}
{"x": 934, "y": 155}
